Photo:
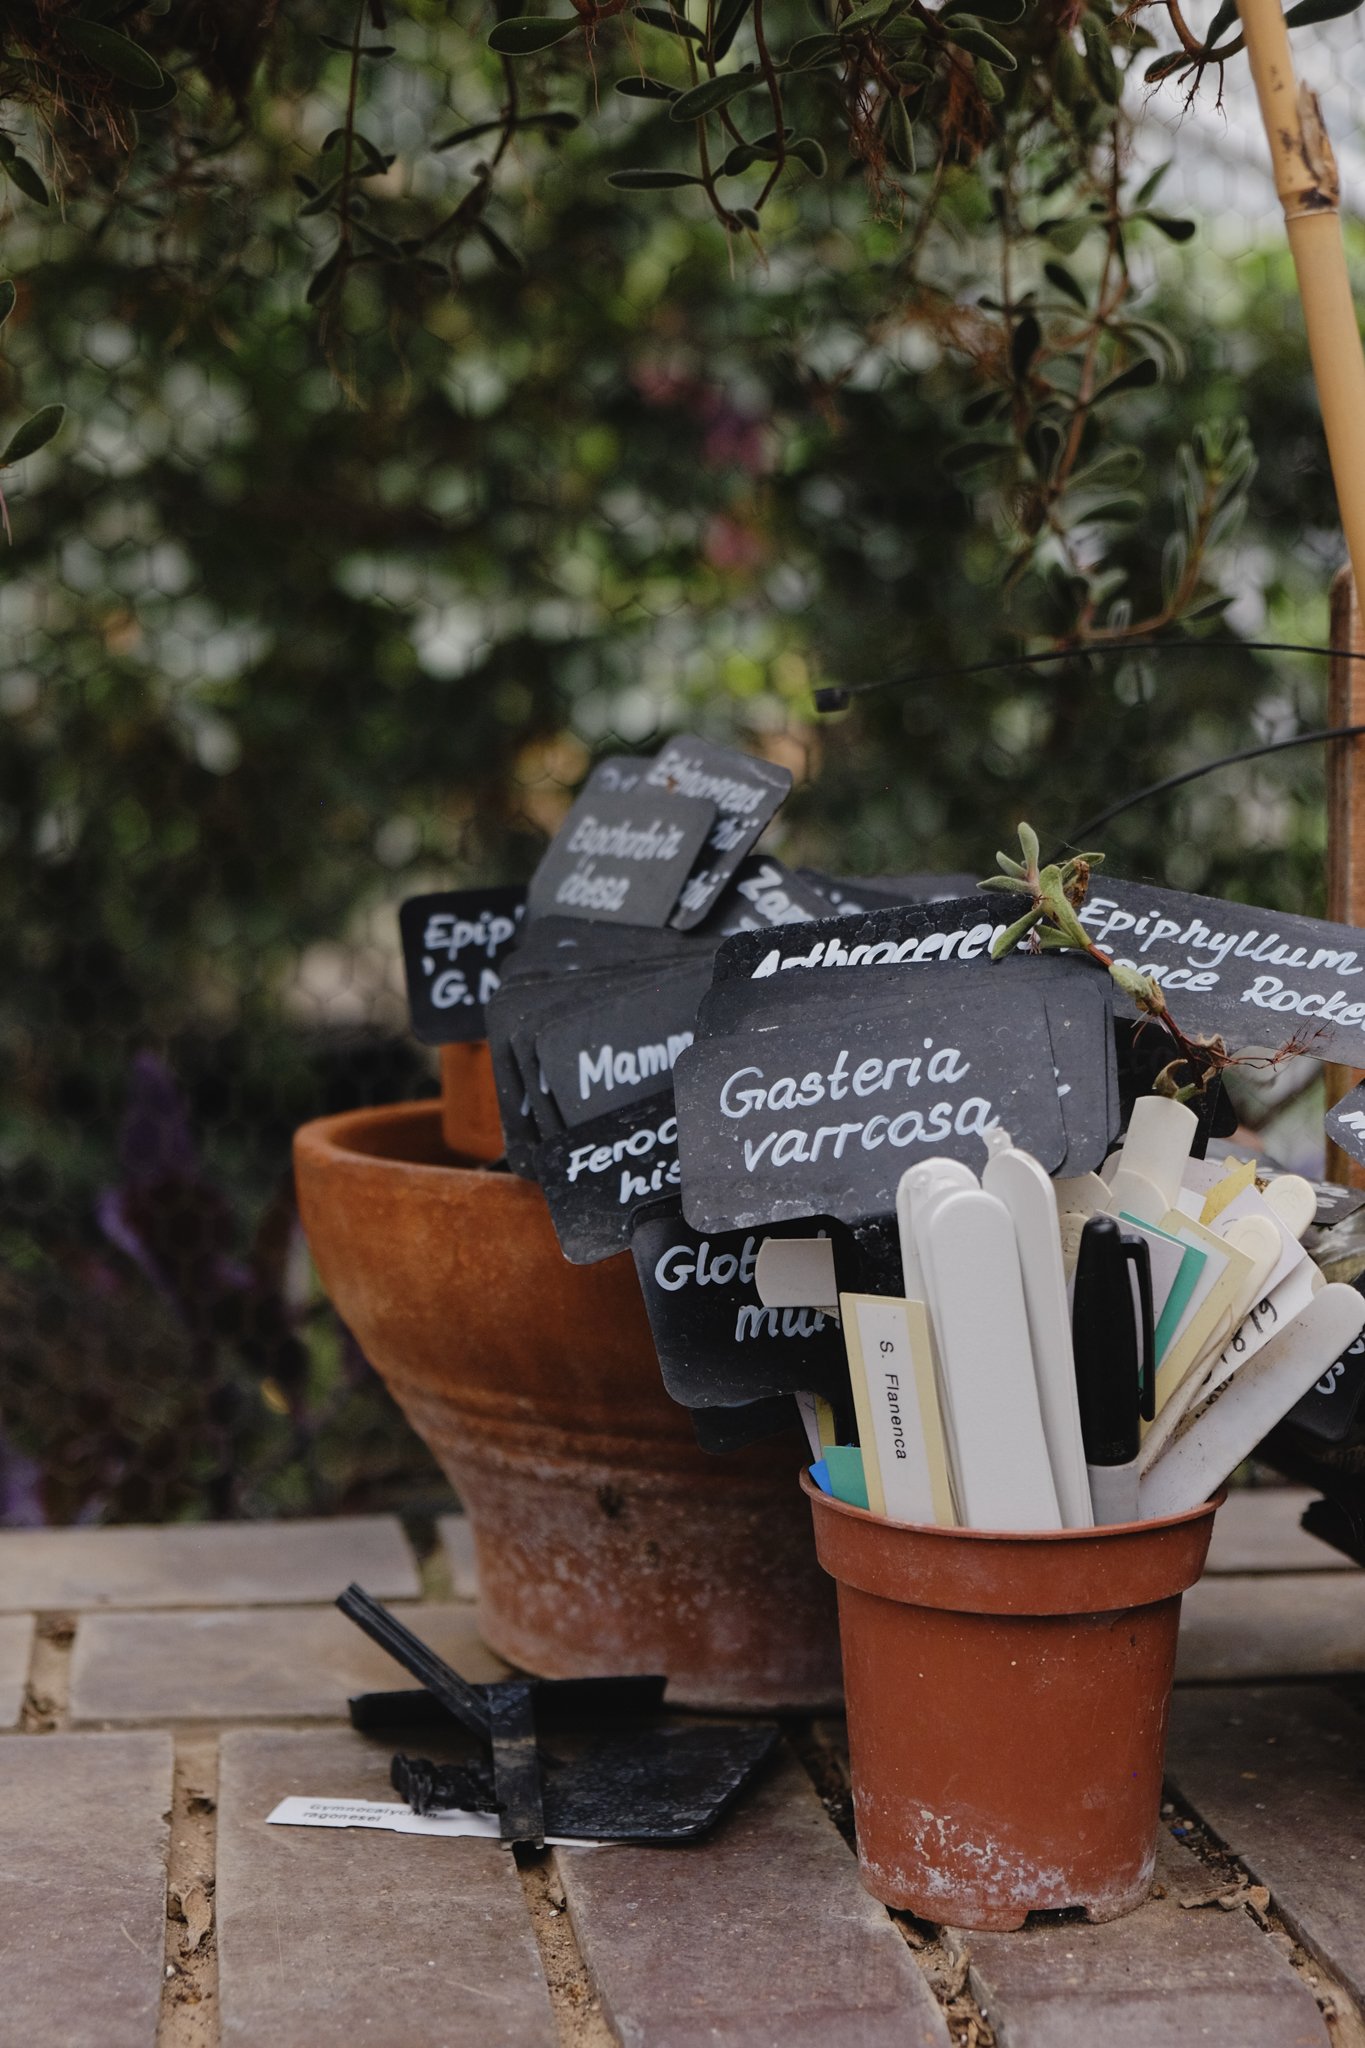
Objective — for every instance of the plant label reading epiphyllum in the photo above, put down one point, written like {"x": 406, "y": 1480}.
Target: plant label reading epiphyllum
{"x": 1346, "y": 1123}
{"x": 747, "y": 793}
{"x": 717, "y": 1344}
{"x": 823, "y": 1117}
{"x": 621, "y": 856}
{"x": 452, "y": 944}
{"x": 1258, "y": 977}
{"x": 596, "y": 1176}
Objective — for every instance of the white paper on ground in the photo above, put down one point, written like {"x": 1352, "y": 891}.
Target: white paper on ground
{"x": 399, "y": 1820}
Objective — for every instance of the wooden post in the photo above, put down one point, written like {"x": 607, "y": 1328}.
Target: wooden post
{"x": 1345, "y": 820}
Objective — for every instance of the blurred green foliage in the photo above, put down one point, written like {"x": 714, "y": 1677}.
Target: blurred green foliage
{"x": 301, "y": 618}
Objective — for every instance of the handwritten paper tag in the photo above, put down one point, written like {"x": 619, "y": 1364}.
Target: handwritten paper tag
{"x": 300, "y": 1812}
{"x": 453, "y": 945}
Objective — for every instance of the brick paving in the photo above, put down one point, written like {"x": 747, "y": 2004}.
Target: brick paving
{"x": 217, "y": 1657}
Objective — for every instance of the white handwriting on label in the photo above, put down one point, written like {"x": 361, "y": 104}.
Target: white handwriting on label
{"x": 965, "y": 944}
{"x": 634, "y": 1186}
{"x": 947, "y": 1064}
{"x": 626, "y": 1069}
{"x": 444, "y": 932}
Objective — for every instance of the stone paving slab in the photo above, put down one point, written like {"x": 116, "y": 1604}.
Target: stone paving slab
{"x": 328, "y": 1938}
{"x": 16, "y": 1649}
{"x": 206, "y": 1564}
{"x": 266, "y": 1664}
{"x": 1276, "y": 1772}
{"x": 1158, "y": 1978}
{"x": 457, "y": 1539}
{"x": 82, "y": 1889}
{"x": 761, "y": 1936}
{"x": 1298, "y": 1625}
{"x": 1257, "y": 1530}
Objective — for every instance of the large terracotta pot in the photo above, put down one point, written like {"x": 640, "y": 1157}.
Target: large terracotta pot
{"x": 606, "y": 1540}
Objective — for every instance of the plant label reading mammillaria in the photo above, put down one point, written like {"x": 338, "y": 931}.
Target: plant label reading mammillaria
{"x": 822, "y": 1117}
{"x": 717, "y": 1343}
{"x": 453, "y": 943}
{"x": 621, "y": 856}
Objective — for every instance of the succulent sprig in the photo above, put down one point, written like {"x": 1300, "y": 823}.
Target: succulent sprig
{"x": 1051, "y": 922}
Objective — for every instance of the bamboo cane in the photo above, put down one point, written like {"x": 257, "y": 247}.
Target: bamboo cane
{"x": 1310, "y": 193}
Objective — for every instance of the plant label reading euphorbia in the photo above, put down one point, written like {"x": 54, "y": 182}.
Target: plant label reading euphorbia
{"x": 824, "y": 1115}
{"x": 717, "y": 1344}
{"x": 621, "y": 856}
{"x": 452, "y": 946}
{"x": 595, "y": 1177}
{"x": 746, "y": 792}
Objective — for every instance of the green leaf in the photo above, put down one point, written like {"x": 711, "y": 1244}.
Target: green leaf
{"x": 1006, "y": 882}
{"x": 1115, "y": 512}
{"x": 1140, "y": 378}
{"x": 739, "y": 160}
{"x": 8, "y": 296}
{"x": 864, "y": 17}
{"x": 1174, "y": 230}
{"x": 1066, "y": 235}
{"x": 746, "y": 216}
{"x": 34, "y": 434}
{"x": 966, "y": 31}
{"x": 1057, "y": 274}
{"x": 27, "y": 179}
{"x": 1024, "y": 345}
{"x": 807, "y": 151}
{"x": 651, "y": 181}
{"x": 900, "y": 135}
{"x": 1318, "y": 10}
{"x": 972, "y": 454}
{"x": 1110, "y": 471}
{"x": 1028, "y": 846}
{"x": 502, "y": 253}
{"x": 1008, "y": 940}
{"x": 671, "y": 24}
{"x": 365, "y": 50}
{"x": 988, "y": 82}
{"x": 1164, "y": 66}
{"x": 646, "y": 89}
{"x": 729, "y": 16}
{"x": 150, "y": 100}
{"x": 321, "y": 281}
{"x": 712, "y": 93}
{"x": 525, "y": 34}
{"x": 556, "y": 119}
{"x": 1099, "y": 58}
{"x": 812, "y": 51}
{"x": 1002, "y": 12}
{"x": 986, "y": 408}
{"x": 320, "y": 201}
{"x": 1148, "y": 189}
{"x": 1009, "y": 866}
{"x": 110, "y": 51}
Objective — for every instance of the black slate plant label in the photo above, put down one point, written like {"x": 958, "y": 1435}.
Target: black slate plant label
{"x": 1077, "y": 998}
{"x": 719, "y": 1430}
{"x": 1346, "y": 1123}
{"x": 621, "y": 856}
{"x": 1259, "y": 977}
{"x": 454, "y": 946}
{"x": 747, "y": 794}
{"x": 717, "y": 1344}
{"x": 595, "y": 1177}
{"x": 824, "y": 1116}
{"x": 853, "y": 895}
{"x": 761, "y": 894}
{"x": 1331, "y": 1405}
{"x": 879, "y": 937}
{"x": 620, "y": 1047}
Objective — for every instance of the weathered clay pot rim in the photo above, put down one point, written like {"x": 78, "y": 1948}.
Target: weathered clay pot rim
{"x": 958, "y": 1535}
{"x": 328, "y": 1134}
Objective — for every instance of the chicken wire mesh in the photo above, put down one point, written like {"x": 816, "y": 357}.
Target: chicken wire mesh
{"x": 297, "y": 623}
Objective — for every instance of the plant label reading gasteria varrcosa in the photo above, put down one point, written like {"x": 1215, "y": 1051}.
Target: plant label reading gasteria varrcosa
{"x": 824, "y": 1116}
{"x": 452, "y": 944}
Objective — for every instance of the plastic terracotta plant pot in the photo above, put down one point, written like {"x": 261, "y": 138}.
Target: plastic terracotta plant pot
{"x": 1008, "y": 1698}
{"x": 607, "y": 1541}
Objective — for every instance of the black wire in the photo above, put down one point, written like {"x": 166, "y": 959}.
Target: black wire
{"x": 838, "y": 696}
{"x": 1300, "y": 739}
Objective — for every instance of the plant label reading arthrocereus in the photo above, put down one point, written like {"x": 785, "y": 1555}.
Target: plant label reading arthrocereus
{"x": 746, "y": 792}
{"x": 621, "y": 856}
{"x": 452, "y": 946}
{"x": 824, "y": 1116}
{"x": 1258, "y": 977}
{"x": 595, "y": 1177}
{"x": 718, "y": 1345}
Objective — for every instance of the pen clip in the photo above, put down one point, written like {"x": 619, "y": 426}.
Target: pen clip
{"x": 1135, "y": 1250}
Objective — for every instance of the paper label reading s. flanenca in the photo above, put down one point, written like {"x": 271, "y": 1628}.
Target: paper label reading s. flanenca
{"x": 888, "y": 1361}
